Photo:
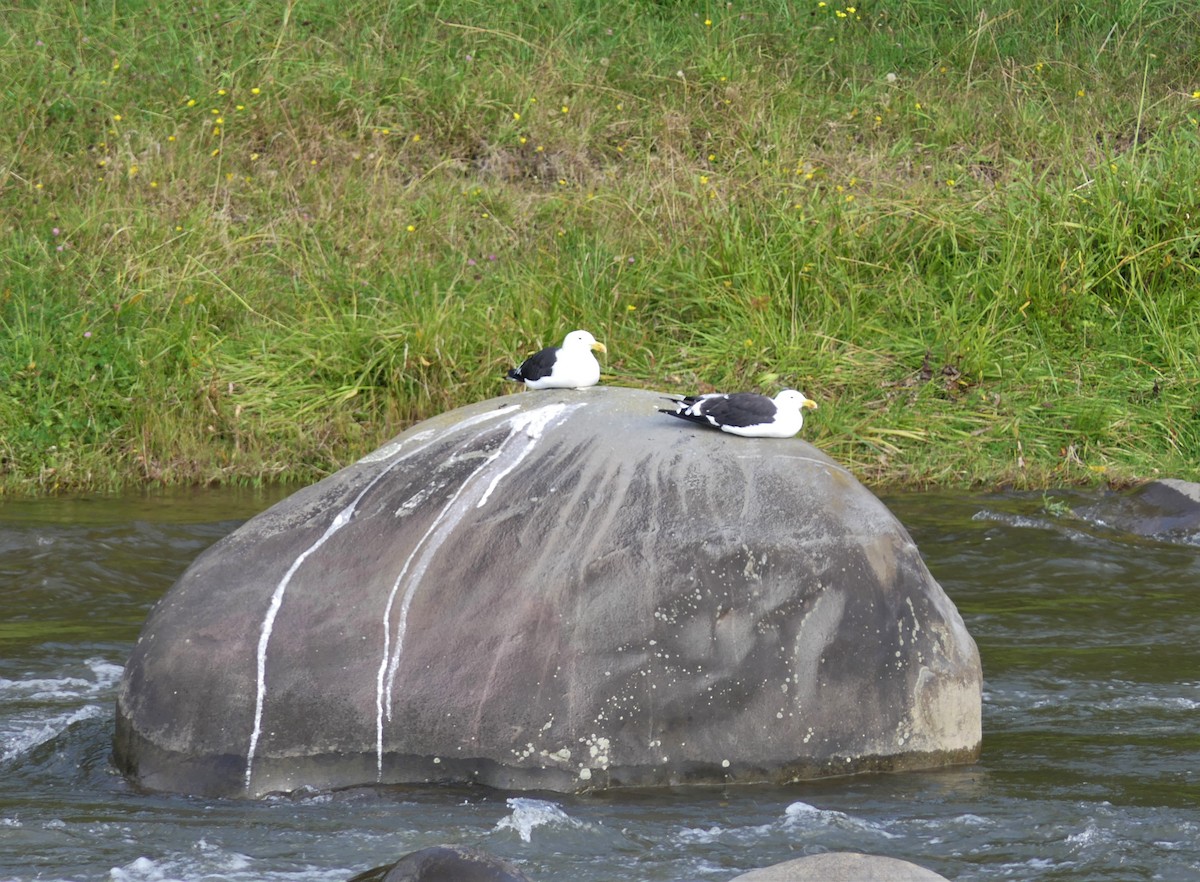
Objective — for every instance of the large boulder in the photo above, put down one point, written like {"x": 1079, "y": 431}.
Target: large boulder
{"x": 557, "y": 590}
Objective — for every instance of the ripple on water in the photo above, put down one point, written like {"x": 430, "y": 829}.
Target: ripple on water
{"x": 205, "y": 861}
{"x": 39, "y": 708}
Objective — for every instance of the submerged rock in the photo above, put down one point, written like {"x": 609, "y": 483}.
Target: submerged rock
{"x": 1168, "y": 509}
{"x": 843, "y": 866}
{"x": 554, "y": 590}
{"x": 446, "y": 863}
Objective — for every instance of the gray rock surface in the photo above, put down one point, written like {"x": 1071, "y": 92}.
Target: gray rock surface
{"x": 846, "y": 866}
{"x": 554, "y": 590}
{"x": 1168, "y": 509}
{"x": 446, "y": 863}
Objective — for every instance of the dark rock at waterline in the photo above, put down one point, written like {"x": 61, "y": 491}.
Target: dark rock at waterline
{"x": 561, "y": 591}
{"x": 848, "y": 866}
{"x": 1168, "y": 509}
{"x": 446, "y": 863}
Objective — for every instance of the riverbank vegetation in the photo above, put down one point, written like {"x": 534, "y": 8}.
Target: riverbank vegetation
{"x": 249, "y": 241}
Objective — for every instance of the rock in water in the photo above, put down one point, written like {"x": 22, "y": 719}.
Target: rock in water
{"x": 1167, "y": 509}
{"x": 446, "y": 863}
{"x": 557, "y": 592}
{"x": 842, "y": 867}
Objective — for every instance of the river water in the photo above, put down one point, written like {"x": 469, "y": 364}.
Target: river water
{"x": 1090, "y": 770}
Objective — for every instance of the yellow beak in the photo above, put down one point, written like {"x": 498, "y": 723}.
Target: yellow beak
{"x": 600, "y": 347}
{"x": 809, "y": 403}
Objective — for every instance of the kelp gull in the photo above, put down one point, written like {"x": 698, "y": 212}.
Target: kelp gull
{"x": 746, "y": 413}
{"x": 570, "y": 366}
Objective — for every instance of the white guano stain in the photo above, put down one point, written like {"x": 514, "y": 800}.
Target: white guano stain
{"x": 340, "y": 520}
{"x": 529, "y": 425}
{"x": 532, "y": 423}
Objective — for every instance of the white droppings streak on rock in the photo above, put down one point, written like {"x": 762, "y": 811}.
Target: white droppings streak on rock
{"x": 340, "y": 520}
{"x": 527, "y": 424}
{"x": 817, "y": 630}
{"x": 394, "y": 447}
{"x": 533, "y": 423}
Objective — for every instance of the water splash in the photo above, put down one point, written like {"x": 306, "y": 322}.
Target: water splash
{"x": 529, "y": 814}
{"x": 23, "y": 733}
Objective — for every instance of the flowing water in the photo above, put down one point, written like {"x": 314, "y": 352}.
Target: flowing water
{"x": 1090, "y": 642}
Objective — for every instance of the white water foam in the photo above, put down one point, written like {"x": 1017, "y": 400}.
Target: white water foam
{"x": 1013, "y": 520}
{"x": 67, "y": 687}
{"x": 529, "y": 814}
{"x": 209, "y": 862}
{"x": 25, "y": 730}
{"x": 801, "y": 815}
{"x": 22, "y": 733}
{"x": 1090, "y": 835}
{"x": 741, "y": 836}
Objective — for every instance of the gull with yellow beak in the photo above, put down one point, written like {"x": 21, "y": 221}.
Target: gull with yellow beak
{"x": 746, "y": 413}
{"x": 570, "y": 366}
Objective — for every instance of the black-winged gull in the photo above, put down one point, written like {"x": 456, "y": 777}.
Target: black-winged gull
{"x": 746, "y": 413}
{"x": 570, "y": 366}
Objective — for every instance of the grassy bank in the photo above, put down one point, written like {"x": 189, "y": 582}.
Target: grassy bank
{"x": 249, "y": 241}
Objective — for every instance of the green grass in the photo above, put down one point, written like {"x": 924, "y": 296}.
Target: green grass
{"x": 248, "y": 242}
